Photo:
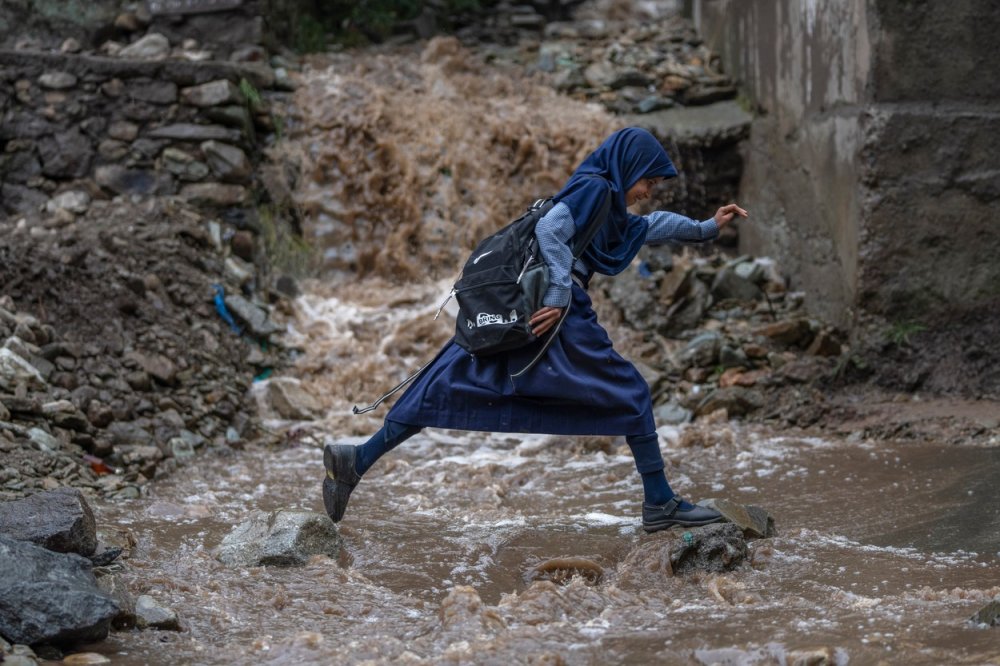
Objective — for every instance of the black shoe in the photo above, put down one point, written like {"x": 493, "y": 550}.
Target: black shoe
{"x": 656, "y": 518}
{"x": 340, "y": 480}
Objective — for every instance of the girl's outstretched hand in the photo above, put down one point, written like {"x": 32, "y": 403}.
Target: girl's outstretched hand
{"x": 725, "y": 215}
{"x": 544, "y": 319}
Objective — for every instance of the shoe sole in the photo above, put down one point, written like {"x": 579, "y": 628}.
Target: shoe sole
{"x": 335, "y": 493}
{"x": 656, "y": 527}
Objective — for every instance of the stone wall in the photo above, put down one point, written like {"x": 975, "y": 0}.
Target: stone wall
{"x": 869, "y": 171}
{"x": 99, "y": 127}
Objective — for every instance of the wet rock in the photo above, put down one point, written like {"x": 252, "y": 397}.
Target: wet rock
{"x": 183, "y": 164}
{"x": 19, "y": 655}
{"x": 75, "y": 201}
{"x": 463, "y": 610}
{"x": 822, "y": 656}
{"x": 123, "y": 130}
{"x": 16, "y": 199}
{"x": 229, "y": 163}
{"x": 213, "y": 93}
{"x": 988, "y": 614}
{"x": 214, "y": 194}
{"x": 158, "y": 366}
{"x": 284, "y": 398}
{"x": 15, "y": 370}
{"x": 60, "y": 520}
{"x": 154, "y": 92}
{"x": 728, "y": 283}
{"x": 193, "y": 132}
{"x": 753, "y": 520}
{"x": 122, "y": 180}
{"x": 714, "y": 548}
{"x": 687, "y": 312}
{"x": 43, "y": 441}
{"x": 824, "y": 344}
{"x": 64, "y": 414}
{"x": 114, "y": 586}
{"x": 99, "y": 414}
{"x": 736, "y": 400}
{"x": 562, "y": 570}
{"x": 702, "y": 350}
{"x": 65, "y": 154}
{"x": 153, "y": 46}
{"x": 279, "y": 538}
{"x": 790, "y": 332}
{"x": 242, "y": 245}
{"x": 57, "y": 80}
{"x": 48, "y": 597}
{"x": 254, "y": 317}
{"x": 70, "y": 45}
{"x": 151, "y": 615}
{"x": 232, "y": 116}
{"x": 85, "y": 659}
{"x": 731, "y": 356}
{"x": 671, "y": 413}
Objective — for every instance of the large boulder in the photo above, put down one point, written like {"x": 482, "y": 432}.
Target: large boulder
{"x": 50, "y": 598}
{"x": 60, "y": 520}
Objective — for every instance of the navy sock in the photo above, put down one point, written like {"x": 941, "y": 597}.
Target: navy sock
{"x": 655, "y": 488}
{"x": 649, "y": 463}
{"x": 389, "y": 436}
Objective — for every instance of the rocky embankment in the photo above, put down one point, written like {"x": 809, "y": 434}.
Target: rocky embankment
{"x": 126, "y": 365}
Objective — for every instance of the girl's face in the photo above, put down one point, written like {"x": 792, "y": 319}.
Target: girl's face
{"x": 642, "y": 189}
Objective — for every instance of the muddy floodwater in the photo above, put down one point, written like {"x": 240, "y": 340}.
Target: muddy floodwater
{"x": 883, "y": 553}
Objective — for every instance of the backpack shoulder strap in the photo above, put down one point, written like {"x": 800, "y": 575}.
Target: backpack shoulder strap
{"x": 583, "y": 239}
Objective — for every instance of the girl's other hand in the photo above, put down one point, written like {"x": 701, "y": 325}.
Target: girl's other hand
{"x": 544, "y": 319}
{"x": 725, "y": 215}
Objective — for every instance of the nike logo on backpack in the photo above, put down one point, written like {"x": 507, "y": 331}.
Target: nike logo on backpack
{"x": 476, "y": 260}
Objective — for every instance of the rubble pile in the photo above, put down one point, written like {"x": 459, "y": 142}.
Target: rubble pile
{"x": 128, "y": 341}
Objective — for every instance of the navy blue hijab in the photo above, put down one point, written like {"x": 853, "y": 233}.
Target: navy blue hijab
{"x": 624, "y": 157}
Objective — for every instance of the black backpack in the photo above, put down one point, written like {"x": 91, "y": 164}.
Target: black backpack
{"x": 503, "y": 283}
{"x": 501, "y": 286}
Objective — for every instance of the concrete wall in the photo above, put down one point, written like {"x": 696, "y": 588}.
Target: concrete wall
{"x": 869, "y": 170}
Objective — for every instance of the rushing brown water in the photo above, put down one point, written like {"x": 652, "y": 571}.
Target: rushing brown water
{"x": 459, "y": 547}
{"x": 883, "y": 553}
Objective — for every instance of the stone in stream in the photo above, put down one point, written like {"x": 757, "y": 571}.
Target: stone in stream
{"x": 712, "y": 548}
{"x": 60, "y": 520}
{"x": 279, "y": 538}
{"x": 562, "y": 570}
{"x": 48, "y": 597}
{"x": 151, "y": 615}
{"x": 753, "y": 520}
{"x": 988, "y": 614}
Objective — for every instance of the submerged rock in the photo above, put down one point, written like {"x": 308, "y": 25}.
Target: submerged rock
{"x": 48, "y": 597}
{"x": 988, "y": 614}
{"x": 279, "y": 538}
{"x": 715, "y": 548}
{"x": 563, "y": 569}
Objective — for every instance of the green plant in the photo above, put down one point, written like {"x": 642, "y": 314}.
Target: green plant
{"x": 251, "y": 95}
{"x": 900, "y": 332}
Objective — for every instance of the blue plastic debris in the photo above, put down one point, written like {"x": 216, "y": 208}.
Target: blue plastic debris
{"x": 220, "y": 307}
